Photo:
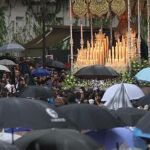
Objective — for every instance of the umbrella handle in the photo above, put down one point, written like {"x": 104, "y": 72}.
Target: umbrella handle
{"x": 12, "y": 136}
{"x": 117, "y": 146}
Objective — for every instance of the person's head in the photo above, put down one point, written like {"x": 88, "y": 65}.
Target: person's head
{"x": 91, "y": 101}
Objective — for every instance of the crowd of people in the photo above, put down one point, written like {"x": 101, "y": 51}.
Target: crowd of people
{"x": 11, "y": 83}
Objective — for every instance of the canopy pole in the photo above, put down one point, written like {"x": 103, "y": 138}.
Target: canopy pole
{"x": 81, "y": 30}
{"x": 139, "y": 31}
{"x": 71, "y": 36}
{"x": 129, "y": 36}
{"x": 148, "y": 29}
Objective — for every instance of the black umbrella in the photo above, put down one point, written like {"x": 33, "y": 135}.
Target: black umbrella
{"x": 145, "y": 100}
{"x": 55, "y": 64}
{"x": 144, "y": 123}
{"x": 37, "y": 92}
{"x": 96, "y": 72}
{"x": 56, "y": 139}
{"x": 129, "y": 116}
{"x": 7, "y": 146}
{"x": 35, "y": 114}
{"x": 87, "y": 116}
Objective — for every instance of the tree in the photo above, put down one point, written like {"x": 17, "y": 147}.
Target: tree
{"x": 3, "y": 29}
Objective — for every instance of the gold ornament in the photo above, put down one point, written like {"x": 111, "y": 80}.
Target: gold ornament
{"x": 98, "y": 8}
{"x": 80, "y": 8}
{"x": 118, "y": 7}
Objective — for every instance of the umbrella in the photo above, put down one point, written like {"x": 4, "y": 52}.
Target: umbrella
{"x": 117, "y": 139}
{"x": 7, "y": 146}
{"x": 145, "y": 100}
{"x": 143, "y": 126}
{"x": 56, "y": 139}
{"x": 55, "y": 64}
{"x": 7, "y": 62}
{"x": 40, "y": 72}
{"x": 7, "y": 137}
{"x": 132, "y": 90}
{"x": 21, "y": 112}
{"x": 96, "y": 72}
{"x": 143, "y": 75}
{"x": 12, "y": 47}
{"x": 4, "y": 68}
{"x": 119, "y": 100}
{"x": 37, "y": 92}
{"x": 87, "y": 116}
{"x": 130, "y": 116}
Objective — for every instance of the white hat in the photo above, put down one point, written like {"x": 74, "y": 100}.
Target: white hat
{"x": 91, "y": 101}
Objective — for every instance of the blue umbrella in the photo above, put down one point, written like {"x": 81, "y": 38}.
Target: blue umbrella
{"x": 40, "y": 72}
{"x": 143, "y": 75}
{"x": 116, "y": 138}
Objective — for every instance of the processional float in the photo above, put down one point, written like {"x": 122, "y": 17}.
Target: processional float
{"x": 100, "y": 51}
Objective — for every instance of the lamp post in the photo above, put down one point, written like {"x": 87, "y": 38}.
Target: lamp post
{"x": 41, "y": 10}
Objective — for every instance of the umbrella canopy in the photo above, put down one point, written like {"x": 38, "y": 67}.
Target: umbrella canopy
{"x": 7, "y": 146}
{"x": 132, "y": 90}
{"x": 119, "y": 100}
{"x": 130, "y": 116}
{"x": 143, "y": 75}
{"x": 37, "y": 92}
{"x": 40, "y": 72}
{"x": 145, "y": 100}
{"x": 117, "y": 139}
{"x": 56, "y": 139}
{"x": 7, "y": 62}
{"x": 20, "y": 112}
{"x": 143, "y": 126}
{"x": 55, "y": 64}
{"x": 12, "y": 47}
{"x": 4, "y": 68}
{"x": 96, "y": 72}
{"x": 7, "y": 137}
{"x": 87, "y": 116}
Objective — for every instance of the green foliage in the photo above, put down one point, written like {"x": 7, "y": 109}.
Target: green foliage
{"x": 37, "y": 29}
{"x": 3, "y": 30}
{"x": 71, "y": 82}
{"x": 136, "y": 66}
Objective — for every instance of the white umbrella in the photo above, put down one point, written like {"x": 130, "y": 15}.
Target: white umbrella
{"x": 4, "y": 68}
{"x": 12, "y": 47}
{"x": 132, "y": 90}
{"x": 7, "y": 137}
{"x": 7, "y": 62}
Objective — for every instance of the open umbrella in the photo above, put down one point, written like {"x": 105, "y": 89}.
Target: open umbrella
{"x": 119, "y": 100}
{"x": 56, "y": 139}
{"x": 21, "y": 112}
{"x": 132, "y": 90}
{"x": 7, "y": 146}
{"x": 96, "y": 72}
{"x": 7, "y": 62}
{"x": 7, "y": 137}
{"x": 4, "y": 68}
{"x": 37, "y": 92}
{"x": 143, "y": 75}
{"x": 87, "y": 116}
{"x": 55, "y": 64}
{"x": 145, "y": 100}
{"x": 117, "y": 139}
{"x": 143, "y": 126}
{"x": 130, "y": 116}
{"x": 12, "y": 47}
{"x": 40, "y": 72}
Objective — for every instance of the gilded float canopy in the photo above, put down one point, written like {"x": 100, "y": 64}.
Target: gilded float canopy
{"x": 80, "y": 8}
{"x": 118, "y": 7}
{"x": 98, "y": 8}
